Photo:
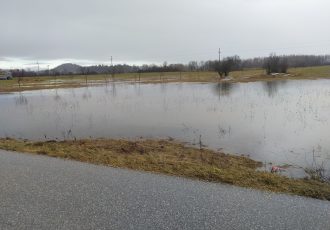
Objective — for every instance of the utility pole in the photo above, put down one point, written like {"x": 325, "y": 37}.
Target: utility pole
{"x": 38, "y": 66}
{"x": 112, "y": 73}
{"x": 219, "y": 64}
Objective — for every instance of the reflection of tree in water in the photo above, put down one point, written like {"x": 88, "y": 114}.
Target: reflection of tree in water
{"x": 110, "y": 88}
{"x": 272, "y": 87}
{"x": 106, "y": 88}
{"x": 163, "y": 87}
{"x": 21, "y": 100}
{"x": 73, "y": 93}
{"x": 87, "y": 94}
{"x": 57, "y": 97}
{"x": 223, "y": 88}
{"x": 114, "y": 90}
{"x": 137, "y": 88}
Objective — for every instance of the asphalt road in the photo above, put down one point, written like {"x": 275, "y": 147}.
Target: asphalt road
{"x": 38, "y": 192}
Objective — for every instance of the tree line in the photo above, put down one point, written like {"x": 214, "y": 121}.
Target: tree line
{"x": 272, "y": 64}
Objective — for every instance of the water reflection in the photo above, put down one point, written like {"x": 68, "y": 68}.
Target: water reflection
{"x": 137, "y": 87}
{"x": 224, "y": 131}
{"x": 21, "y": 100}
{"x": 224, "y": 88}
{"x": 278, "y": 122}
{"x": 87, "y": 94}
{"x": 163, "y": 87}
{"x": 272, "y": 87}
{"x": 57, "y": 97}
{"x": 114, "y": 89}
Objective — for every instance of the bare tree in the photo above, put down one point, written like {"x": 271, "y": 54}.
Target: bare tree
{"x": 276, "y": 64}
{"x": 193, "y": 65}
{"x": 227, "y": 65}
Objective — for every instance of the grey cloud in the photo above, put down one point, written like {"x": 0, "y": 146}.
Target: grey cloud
{"x": 155, "y": 30}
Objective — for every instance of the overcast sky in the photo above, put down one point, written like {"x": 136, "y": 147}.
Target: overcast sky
{"x": 154, "y": 31}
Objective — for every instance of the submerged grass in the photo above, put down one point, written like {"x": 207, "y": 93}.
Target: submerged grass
{"x": 247, "y": 75}
{"x": 172, "y": 158}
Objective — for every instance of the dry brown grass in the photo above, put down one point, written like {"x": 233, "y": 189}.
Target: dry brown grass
{"x": 172, "y": 158}
{"x": 248, "y": 75}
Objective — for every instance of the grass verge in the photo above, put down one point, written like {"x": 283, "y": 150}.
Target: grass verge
{"x": 172, "y": 158}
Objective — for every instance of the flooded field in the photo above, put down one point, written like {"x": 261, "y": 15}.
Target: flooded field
{"x": 279, "y": 122}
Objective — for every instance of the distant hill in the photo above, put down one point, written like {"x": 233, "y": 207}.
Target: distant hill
{"x": 68, "y": 68}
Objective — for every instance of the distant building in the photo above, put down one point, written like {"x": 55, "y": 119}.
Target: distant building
{"x": 6, "y": 76}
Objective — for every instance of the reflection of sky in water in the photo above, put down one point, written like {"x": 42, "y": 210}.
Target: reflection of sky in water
{"x": 280, "y": 122}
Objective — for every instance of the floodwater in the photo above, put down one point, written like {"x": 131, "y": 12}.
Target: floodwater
{"x": 279, "y": 122}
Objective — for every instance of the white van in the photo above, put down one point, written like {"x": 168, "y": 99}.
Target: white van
{"x": 6, "y": 76}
